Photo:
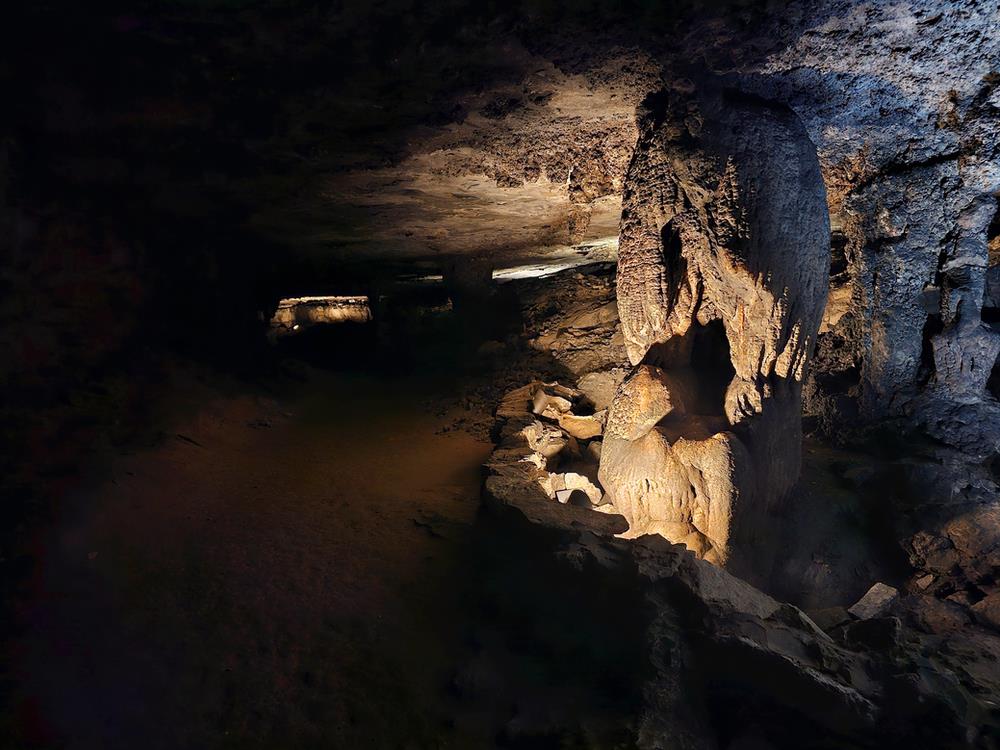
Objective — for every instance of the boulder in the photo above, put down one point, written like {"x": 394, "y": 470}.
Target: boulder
{"x": 546, "y": 403}
{"x": 830, "y": 617}
{"x": 875, "y": 603}
{"x": 561, "y": 486}
{"x": 600, "y": 387}
{"x": 685, "y": 487}
{"x": 574, "y": 481}
{"x": 517, "y": 402}
{"x": 529, "y": 448}
{"x": 582, "y": 428}
{"x": 987, "y": 611}
{"x": 933, "y": 615}
{"x": 544, "y": 439}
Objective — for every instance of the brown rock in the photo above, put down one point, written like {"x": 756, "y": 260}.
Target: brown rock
{"x": 933, "y": 615}
{"x": 987, "y": 611}
{"x": 683, "y": 488}
{"x": 544, "y": 439}
{"x": 600, "y": 387}
{"x": 724, "y": 254}
{"x": 543, "y": 402}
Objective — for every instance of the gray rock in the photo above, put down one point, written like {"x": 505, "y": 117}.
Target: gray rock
{"x": 875, "y": 603}
{"x": 583, "y": 427}
{"x": 830, "y": 617}
{"x": 594, "y": 449}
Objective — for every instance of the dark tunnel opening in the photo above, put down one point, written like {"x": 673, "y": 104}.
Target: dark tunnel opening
{"x": 674, "y": 261}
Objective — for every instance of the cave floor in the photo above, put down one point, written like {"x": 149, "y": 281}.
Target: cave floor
{"x": 278, "y": 573}
{"x": 306, "y": 564}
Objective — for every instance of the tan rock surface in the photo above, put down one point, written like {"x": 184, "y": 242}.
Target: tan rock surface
{"x": 724, "y": 222}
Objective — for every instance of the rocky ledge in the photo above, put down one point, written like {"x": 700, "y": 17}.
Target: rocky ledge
{"x": 728, "y": 664}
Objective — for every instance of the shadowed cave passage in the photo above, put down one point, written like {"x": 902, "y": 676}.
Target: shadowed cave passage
{"x": 301, "y": 557}
{"x": 411, "y": 376}
{"x": 700, "y": 359}
{"x": 711, "y": 366}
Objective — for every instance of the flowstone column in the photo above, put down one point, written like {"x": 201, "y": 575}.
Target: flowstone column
{"x": 722, "y": 278}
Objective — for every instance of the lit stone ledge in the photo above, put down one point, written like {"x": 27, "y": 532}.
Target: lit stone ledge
{"x": 296, "y": 313}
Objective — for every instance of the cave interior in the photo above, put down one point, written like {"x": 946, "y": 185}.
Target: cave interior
{"x": 542, "y": 374}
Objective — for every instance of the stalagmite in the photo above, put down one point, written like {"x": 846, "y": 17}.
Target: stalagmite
{"x": 723, "y": 261}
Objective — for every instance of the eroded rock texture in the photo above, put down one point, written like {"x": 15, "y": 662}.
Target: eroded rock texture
{"x": 573, "y": 317}
{"x": 296, "y": 312}
{"x": 732, "y": 667}
{"x": 723, "y": 263}
{"x": 902, "y": 101}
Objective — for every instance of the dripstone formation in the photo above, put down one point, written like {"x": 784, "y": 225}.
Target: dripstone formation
{"x": 729, "y": 666}
{"x": 723, "y": 263}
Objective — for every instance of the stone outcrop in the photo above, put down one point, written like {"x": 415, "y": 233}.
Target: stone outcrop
{"x": 573, "y": 317}
{"x": 723, "y": 261}
{"x": 904, "y": 123}
{"x": 295, "y": 313}
{"x": 728, "y": 664}
{"x": 543, "y": 442}
{"x": 876, "y": 602}
{"x": 685, "y": 487}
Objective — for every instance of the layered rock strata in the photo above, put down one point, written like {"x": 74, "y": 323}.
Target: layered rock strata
{"x": 294, "y": 313}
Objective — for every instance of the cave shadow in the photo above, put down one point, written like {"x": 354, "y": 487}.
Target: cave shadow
{"x": 552, "y": 656}
{"x": 840, "y": 530}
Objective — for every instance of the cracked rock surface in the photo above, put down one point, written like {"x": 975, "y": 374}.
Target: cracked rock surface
{"x": 730, "y": 663}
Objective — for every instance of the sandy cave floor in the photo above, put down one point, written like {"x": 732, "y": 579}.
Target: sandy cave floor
{"x": 311, "y": 568}
{"x": 261, "y": 575}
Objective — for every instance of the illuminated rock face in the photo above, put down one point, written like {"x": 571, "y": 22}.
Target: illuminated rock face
{"x": 722, "y": 275}
{"x": 296, "y": 312}
{"x": 670, "y": 472}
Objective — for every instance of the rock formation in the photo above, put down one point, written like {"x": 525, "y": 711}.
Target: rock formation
{"x": 573, "y": 318}
{"x": 545, "y": 443}
{"x": 729, "y": 666}
{"x": 723, "y": 262}
{"x": 297, "y": 312}
{"x": 904, "y": 121}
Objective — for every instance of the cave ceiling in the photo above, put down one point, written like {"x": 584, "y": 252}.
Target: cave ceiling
{"x": 508, "y": 139}
{"x": 523, "y": 169}
{"x": 401, "y": 131}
